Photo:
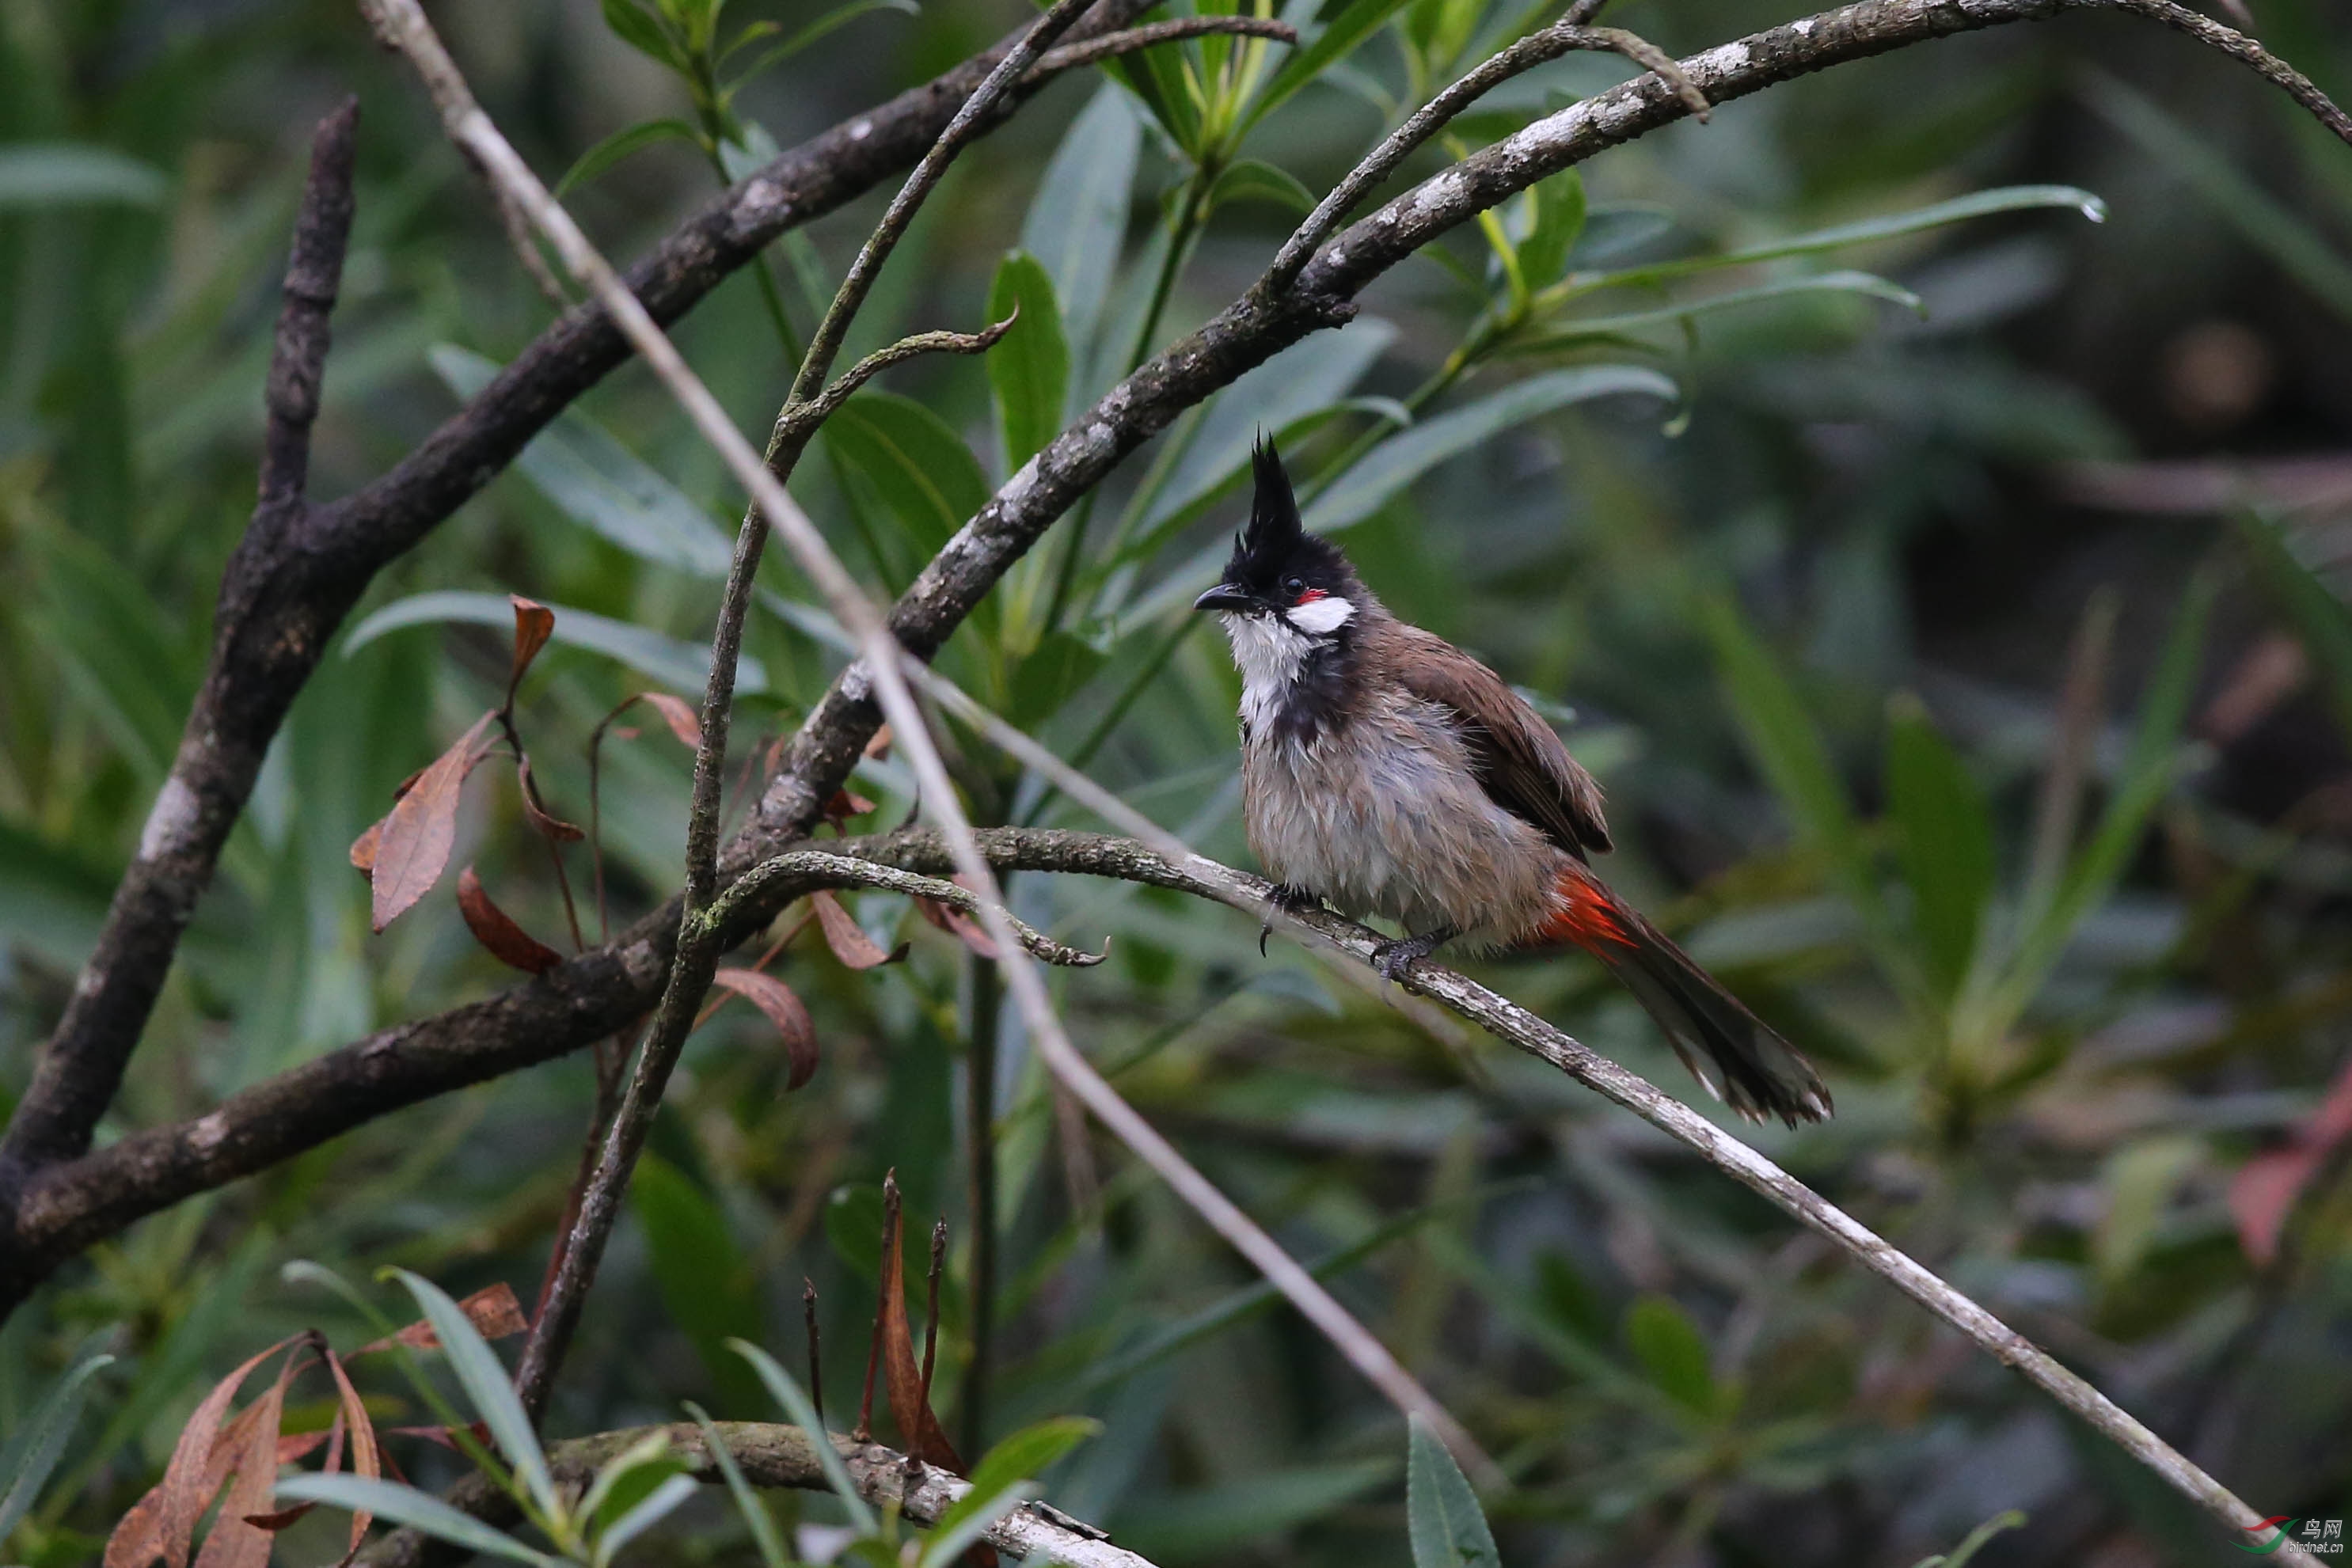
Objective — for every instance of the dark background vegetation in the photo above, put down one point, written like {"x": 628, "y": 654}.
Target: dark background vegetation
{"x": 1928, "y": 508}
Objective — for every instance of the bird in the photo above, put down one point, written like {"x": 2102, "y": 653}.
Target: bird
{"x": 1388, "y": 773}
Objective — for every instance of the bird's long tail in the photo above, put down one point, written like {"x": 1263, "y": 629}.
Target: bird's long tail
{"x": 1755, "y": 1072}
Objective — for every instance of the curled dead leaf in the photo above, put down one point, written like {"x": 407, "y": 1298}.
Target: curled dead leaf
{"x": 848, "y": 939}
{"x": 548, "y": 824}
{"x": 956, "y": 924}
{"x": 783, "y": 1009}
{"x": 902, "y": 1375}
{"x": 495, "y": 930}
{"x": 680, "y": 715}
{"x": 412, "y": 848}
{"x": 363, "y": 849}
{"x": 844, "y": 806}
{"x": 534, "y": 625}
{"x": 493, "y": 1311}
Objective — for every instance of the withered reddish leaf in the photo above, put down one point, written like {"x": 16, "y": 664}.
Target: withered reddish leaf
{"x": 844, "y": 806}
{"x": 492, "y": 1310}
{"x": 552, "y": 827}
{"x": 414, "y": 849}
{"x": 775, "y": 999}
{"x": 534, "y": 625}
{"x": 233, "y": 1542}
{"x": 902, "y": 1374}
{"x": 294, "y": 1447}
{"x": 365, "y": 1459}
{"x": 879, "y": 746}
{"x": 163, "y": 1523}
{"x": 495, "y": 929}
{"x": 847, "y": 938}
{"x": 956, "y": 923}
{"x": 680, "y": 715}
{"x": 443, "y": 1435}
{"x": 2263, "y": 1193}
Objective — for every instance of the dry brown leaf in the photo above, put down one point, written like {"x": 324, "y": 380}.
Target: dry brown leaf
{"x": 492, "y": 1310}
{"x": 164, "y": 1522}
{"x": 363, "y": 849}
{"x": 956, "y": 924}
{"x": 234, "y": 1542}
{"x": 680, "y": 715}
{"x": 534, "y": 625}
{"x": 412, "y": 850}
{"x": 783, "y": 1009}
{"x": 2266, "y": 1189}
{"x": 844, "y": 806}
{"x": 495, "y": 930}
{"x": 548, "y": 825}
{"x": 918, "y": 1428}
{"x": 847, "y": 939}
{"x": 879, "y": 746}
{"x": 366, "y": 1459}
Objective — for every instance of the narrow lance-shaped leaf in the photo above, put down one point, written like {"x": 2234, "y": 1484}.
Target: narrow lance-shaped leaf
{"x": 488, "y": 1387}
{"x": 796, "y": 1405}
{"x": 495, "y": 930}
{"x": 918, "y": 1428}
{"x": 1944, "y": 841}
{"x": 1077, "y": 219}
{"x": 419, "y": 1510}
{"x": 1447, "y": 1527}
{"x": 1029, "y": 368}
{"x": 534, "y": 623}
{"x": 235, "y": 1541}
{"x": 33, "y": 1451}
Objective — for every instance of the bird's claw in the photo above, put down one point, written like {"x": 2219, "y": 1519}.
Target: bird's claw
{"x": 1393, "y": 958}
{"x": 1289, "y": 900}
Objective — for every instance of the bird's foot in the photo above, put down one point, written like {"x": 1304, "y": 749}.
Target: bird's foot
{"x": 1290, "y": 901}
{"x": 1393, "y": 958}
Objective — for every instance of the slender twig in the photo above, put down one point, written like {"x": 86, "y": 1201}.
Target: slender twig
{"x": 819, "y": 868}
{"x": 777, "y": 1456}
{"x": 820, "y": 408}
{"x": 815, "y": 1359}
{"x": 932, "y": 1304}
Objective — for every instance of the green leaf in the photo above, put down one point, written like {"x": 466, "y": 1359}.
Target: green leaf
{"x": 1357, "y": 21}
{"x": 1077, "y": 220}
{"x": 1029, "y": 368}
{"x": 1983, "y": 204}
{"x": 1447, "y": 1527}
{"x": 710, "y": 1288}
{"x": 643, "y": 32}
{"x": 1408, "y": 454}
{"x": 2140, "y": 1179}
{"x": 1157, "y": 78}
{"x": 1974, "y": 1542}
{"x": 968, "y": 1519}
{"x": 648, "y": 1511}
{"x": 621, "y": 144}
{"x": 922, "y": 470}
{"x": 839, "y": 16}
{"x": 398, "y": 1504}
{"x": 1667, "y": 1344}
{"x": 628, "y": 1477}
{"x": 1254, "y": 180}
{"x": 788, "y": 1393}
{"x": 600, "y": 484}
{"x": 1790, "y": 752}
{"x": 1580, "y": 330}
{"x": 1055, "y": 670}
{"x": 1943, "y": 840}
{"x": 682, "y": 665}
{"x": 487, "y": 1386}
{"x": 1558, "y": 221}
{"x": 2146, "y": 779}
{"x": 34, "y": 1450}
{"x": 756, "y": 1517}
{"x": 72, "y": 174}
{"x": 1028, "y": 1454}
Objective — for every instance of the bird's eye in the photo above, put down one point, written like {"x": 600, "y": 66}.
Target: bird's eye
{"x": 1292, "y": 585}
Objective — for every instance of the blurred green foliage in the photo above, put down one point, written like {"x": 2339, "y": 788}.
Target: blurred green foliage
{"x": 1779, "y": 455}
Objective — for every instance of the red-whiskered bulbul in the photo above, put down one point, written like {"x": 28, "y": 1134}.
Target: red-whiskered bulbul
{"x": 1387, "y": 771}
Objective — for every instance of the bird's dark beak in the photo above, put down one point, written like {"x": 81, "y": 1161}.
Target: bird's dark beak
{"x": 1224, "y": 596}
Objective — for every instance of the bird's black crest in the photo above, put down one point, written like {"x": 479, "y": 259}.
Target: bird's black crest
{"x": 1274, "y": 528}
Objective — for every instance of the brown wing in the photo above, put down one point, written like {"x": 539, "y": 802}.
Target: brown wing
{"x": 1520, "y": 762}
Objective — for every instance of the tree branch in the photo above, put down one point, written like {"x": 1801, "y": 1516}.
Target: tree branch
{"x": 773, "y": 1456}
{"x": 213, "y": 770}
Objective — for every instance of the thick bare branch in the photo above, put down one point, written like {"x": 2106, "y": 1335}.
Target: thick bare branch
{"x": 213, "y": 769}
{"x": 1070, "y": 56}
{"x": 773, "y": 1456}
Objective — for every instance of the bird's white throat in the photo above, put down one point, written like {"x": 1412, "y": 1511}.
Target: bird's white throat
{"x": 1271, "y": 651}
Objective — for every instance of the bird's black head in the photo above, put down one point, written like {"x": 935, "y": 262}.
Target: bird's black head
{"x": 1278, "y": 569}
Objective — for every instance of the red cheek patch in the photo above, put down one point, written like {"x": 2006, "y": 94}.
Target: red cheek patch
{"x": 1308, "y": 596}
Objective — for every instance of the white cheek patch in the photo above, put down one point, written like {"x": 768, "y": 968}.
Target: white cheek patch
{"x": 1320, "y": 617}
{"x": 1269, "y": 656}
